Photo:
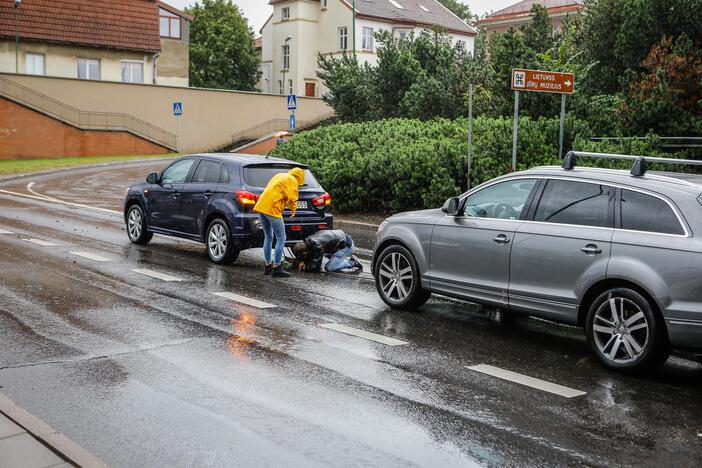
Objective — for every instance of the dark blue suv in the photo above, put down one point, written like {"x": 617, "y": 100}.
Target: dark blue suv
{"x": 209, "y": 198}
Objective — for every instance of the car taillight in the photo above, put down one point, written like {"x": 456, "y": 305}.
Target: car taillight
{"x": 246, "y": 198}
{"x": 296, "y": 228}
{"x": 324, "y": 200}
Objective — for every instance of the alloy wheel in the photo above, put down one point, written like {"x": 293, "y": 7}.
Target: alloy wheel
{"x": 621, "y": 330}
{"x": 217, "y": 241}
{"x": 134, "y": 224}
{"x": 395, "y": 274}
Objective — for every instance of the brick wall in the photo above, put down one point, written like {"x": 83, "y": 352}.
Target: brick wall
{"x": 25, "y": 133}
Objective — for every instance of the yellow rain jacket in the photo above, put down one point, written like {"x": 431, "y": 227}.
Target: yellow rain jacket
{"x": 281, "y": 191}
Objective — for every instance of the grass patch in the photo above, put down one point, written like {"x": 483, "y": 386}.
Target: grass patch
{"x": 22, "y": 166}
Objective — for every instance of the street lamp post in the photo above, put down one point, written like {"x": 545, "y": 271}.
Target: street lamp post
{"x": 353, "y": 26}
{"x": 17, "y": 4}
{"x": 287, "y": 39}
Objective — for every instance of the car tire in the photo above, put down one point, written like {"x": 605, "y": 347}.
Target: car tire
{"x": 397, "y": 279}
{"x": 625, "y": 331}
{"x": 136, "y": 226}
{"x": 220, "y": 246}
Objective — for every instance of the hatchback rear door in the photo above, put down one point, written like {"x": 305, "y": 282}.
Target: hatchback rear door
{"x": 196, "y": 195}
{"x": 563, "y": 249}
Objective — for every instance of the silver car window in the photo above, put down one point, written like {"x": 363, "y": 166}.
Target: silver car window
{"x": 504, "y": 200}
{"x": 641, "y": 212}
{"x": 573, "y": 202}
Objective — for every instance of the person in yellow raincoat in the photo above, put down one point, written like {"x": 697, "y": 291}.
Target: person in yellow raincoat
{"x": 281, "y": 192}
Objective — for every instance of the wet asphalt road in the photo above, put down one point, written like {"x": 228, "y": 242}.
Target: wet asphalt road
{"x": 143, "y": 372}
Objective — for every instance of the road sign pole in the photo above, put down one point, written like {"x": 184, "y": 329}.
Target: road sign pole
{"x": 293, "y": 113}
{"x": 560, "y": 135}
{"x": 180, "y": 144}
{"x": 470, "y": 130}
{"x": 516, "y": 131}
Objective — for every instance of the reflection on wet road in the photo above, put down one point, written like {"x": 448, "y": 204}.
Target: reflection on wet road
{"x": 143, "y": 371}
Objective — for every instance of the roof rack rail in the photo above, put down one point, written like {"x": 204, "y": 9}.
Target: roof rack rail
{"x": 640, "y": 162}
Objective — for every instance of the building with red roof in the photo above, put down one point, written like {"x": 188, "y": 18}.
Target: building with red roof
{"x": 128, "y": 40}
{"x": 514, "y": 16}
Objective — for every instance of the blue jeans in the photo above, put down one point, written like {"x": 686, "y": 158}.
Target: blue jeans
{"x": 341, "y": 258}
{"x": 273, "y": 227}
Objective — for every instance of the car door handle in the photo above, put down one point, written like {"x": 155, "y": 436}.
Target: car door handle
{"x": 591, "y": 249}
{"x": 208, "y": 193}
{"x": 176, "y": 194}
{"x": 501, "y": 239}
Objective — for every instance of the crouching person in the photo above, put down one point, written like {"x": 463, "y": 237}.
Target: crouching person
{"x": 336, "y": 245}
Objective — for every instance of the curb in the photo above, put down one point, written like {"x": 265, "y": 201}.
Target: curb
{"x": 49, "y": 436}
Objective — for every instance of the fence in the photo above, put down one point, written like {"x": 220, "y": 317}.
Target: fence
{"x": 661, "y": 142}
{"x": 274, "y": 125}
{"x": 85, "y": 120}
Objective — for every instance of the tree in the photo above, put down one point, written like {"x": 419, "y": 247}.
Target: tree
{"x": 222, "y": 51}
{"x": 538, "y": 33}
{"x": 349, "y": 87}
{"x": 459, "y": 9}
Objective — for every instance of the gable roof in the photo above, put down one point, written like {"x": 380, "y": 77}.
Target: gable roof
{"x": 412, "y": 13}
{"x": 524, "y": 7}
{"x": 123, "y": 24}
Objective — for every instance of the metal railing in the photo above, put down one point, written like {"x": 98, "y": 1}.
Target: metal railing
{"x": 660, "y": 142}
{"x": 275, "y": 125}
{"x": 86, "y": 120}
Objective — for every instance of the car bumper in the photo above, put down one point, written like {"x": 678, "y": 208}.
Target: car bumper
{"x": 250, "y": 234}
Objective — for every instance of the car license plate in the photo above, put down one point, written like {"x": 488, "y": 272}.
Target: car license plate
{"x": 302, "y": 205}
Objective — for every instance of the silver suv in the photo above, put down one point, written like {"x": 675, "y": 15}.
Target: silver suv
{"x": 617, "y": 253}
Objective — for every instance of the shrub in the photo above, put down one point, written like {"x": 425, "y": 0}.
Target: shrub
{"x": 404, "y": 164}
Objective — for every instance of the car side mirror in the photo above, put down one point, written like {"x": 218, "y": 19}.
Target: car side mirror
{"x": 152, "y": 178}
{"x": 451, "y": 207}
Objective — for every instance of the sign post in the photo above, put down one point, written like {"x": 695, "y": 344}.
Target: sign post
{"x": 542, "y": 82}
{"x": 292, "y": 105}
{"x": 178, "y": 113}
{"x": 470, "y": 129}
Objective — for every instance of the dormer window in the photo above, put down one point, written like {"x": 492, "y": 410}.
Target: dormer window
{"x": 286, "y": 13}
{"x": 424, "y": 8}
{"x": 396, "y": 5}
{"x": 169, "y": 24}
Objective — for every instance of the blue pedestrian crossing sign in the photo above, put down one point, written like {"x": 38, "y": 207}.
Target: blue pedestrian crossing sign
{"x": 292, "y": 102}
{"x": 292, "y": 121}
{"x": 178, "y": 109}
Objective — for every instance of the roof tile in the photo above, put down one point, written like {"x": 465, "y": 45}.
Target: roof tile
{"x": 123, "y": 24}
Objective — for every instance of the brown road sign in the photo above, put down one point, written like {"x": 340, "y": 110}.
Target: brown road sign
{"x": 543, "y": 81}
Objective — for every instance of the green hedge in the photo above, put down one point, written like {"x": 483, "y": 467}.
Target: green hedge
{"x": 402, "y": 164}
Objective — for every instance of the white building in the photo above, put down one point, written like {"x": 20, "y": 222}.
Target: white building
{"x": 299, "y": 30}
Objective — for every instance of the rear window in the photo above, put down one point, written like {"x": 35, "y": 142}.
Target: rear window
{"x": 258, "y": 176}
{"x": 641, "y": 212}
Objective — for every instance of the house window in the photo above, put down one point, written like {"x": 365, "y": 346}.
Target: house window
{"x": 286, "y": 57}
{"x": 280, "y": 86}
{"x": 286, "y": 13}
{"x": 310, "y": 89}
{"x": 343, "y": 38}
{"x": 324, "y": 3}
{"x": 402, "y": 35}
{"x": 169, "y": 24}
{"x": 290, "y": 86}
{"x": 88, "y": 69}
{"x": 367, "y": 39}
{"x": 461, "y": 43}
{"x": 132, "y": 72}
{"x": 35, "y": 64}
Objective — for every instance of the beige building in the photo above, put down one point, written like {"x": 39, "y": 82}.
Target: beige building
{"x": 299, "y": 30}
{"x": 130, "y": 41}
{"x": 514, "y": 16}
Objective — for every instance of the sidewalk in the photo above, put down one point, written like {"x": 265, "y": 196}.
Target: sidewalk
{"x": 18, "y": 448}
{"x": 28, "y": 442}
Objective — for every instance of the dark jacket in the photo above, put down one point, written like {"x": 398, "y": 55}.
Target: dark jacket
{"x": 325, "y": 242}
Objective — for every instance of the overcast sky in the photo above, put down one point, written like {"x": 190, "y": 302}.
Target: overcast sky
{"x": 258, "y": 11}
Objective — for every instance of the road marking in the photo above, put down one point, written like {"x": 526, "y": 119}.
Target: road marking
{"x": 56, "y": 200}
{"x": 156, "y": 274}
{"x": 2, "y": 231}
{"x": 40, "y": 242}
{"x": 364, "y": 334}
{"x": 528, "y": 381}
{"x": 245, "y": 300}
{"x": 91, "y": 256}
